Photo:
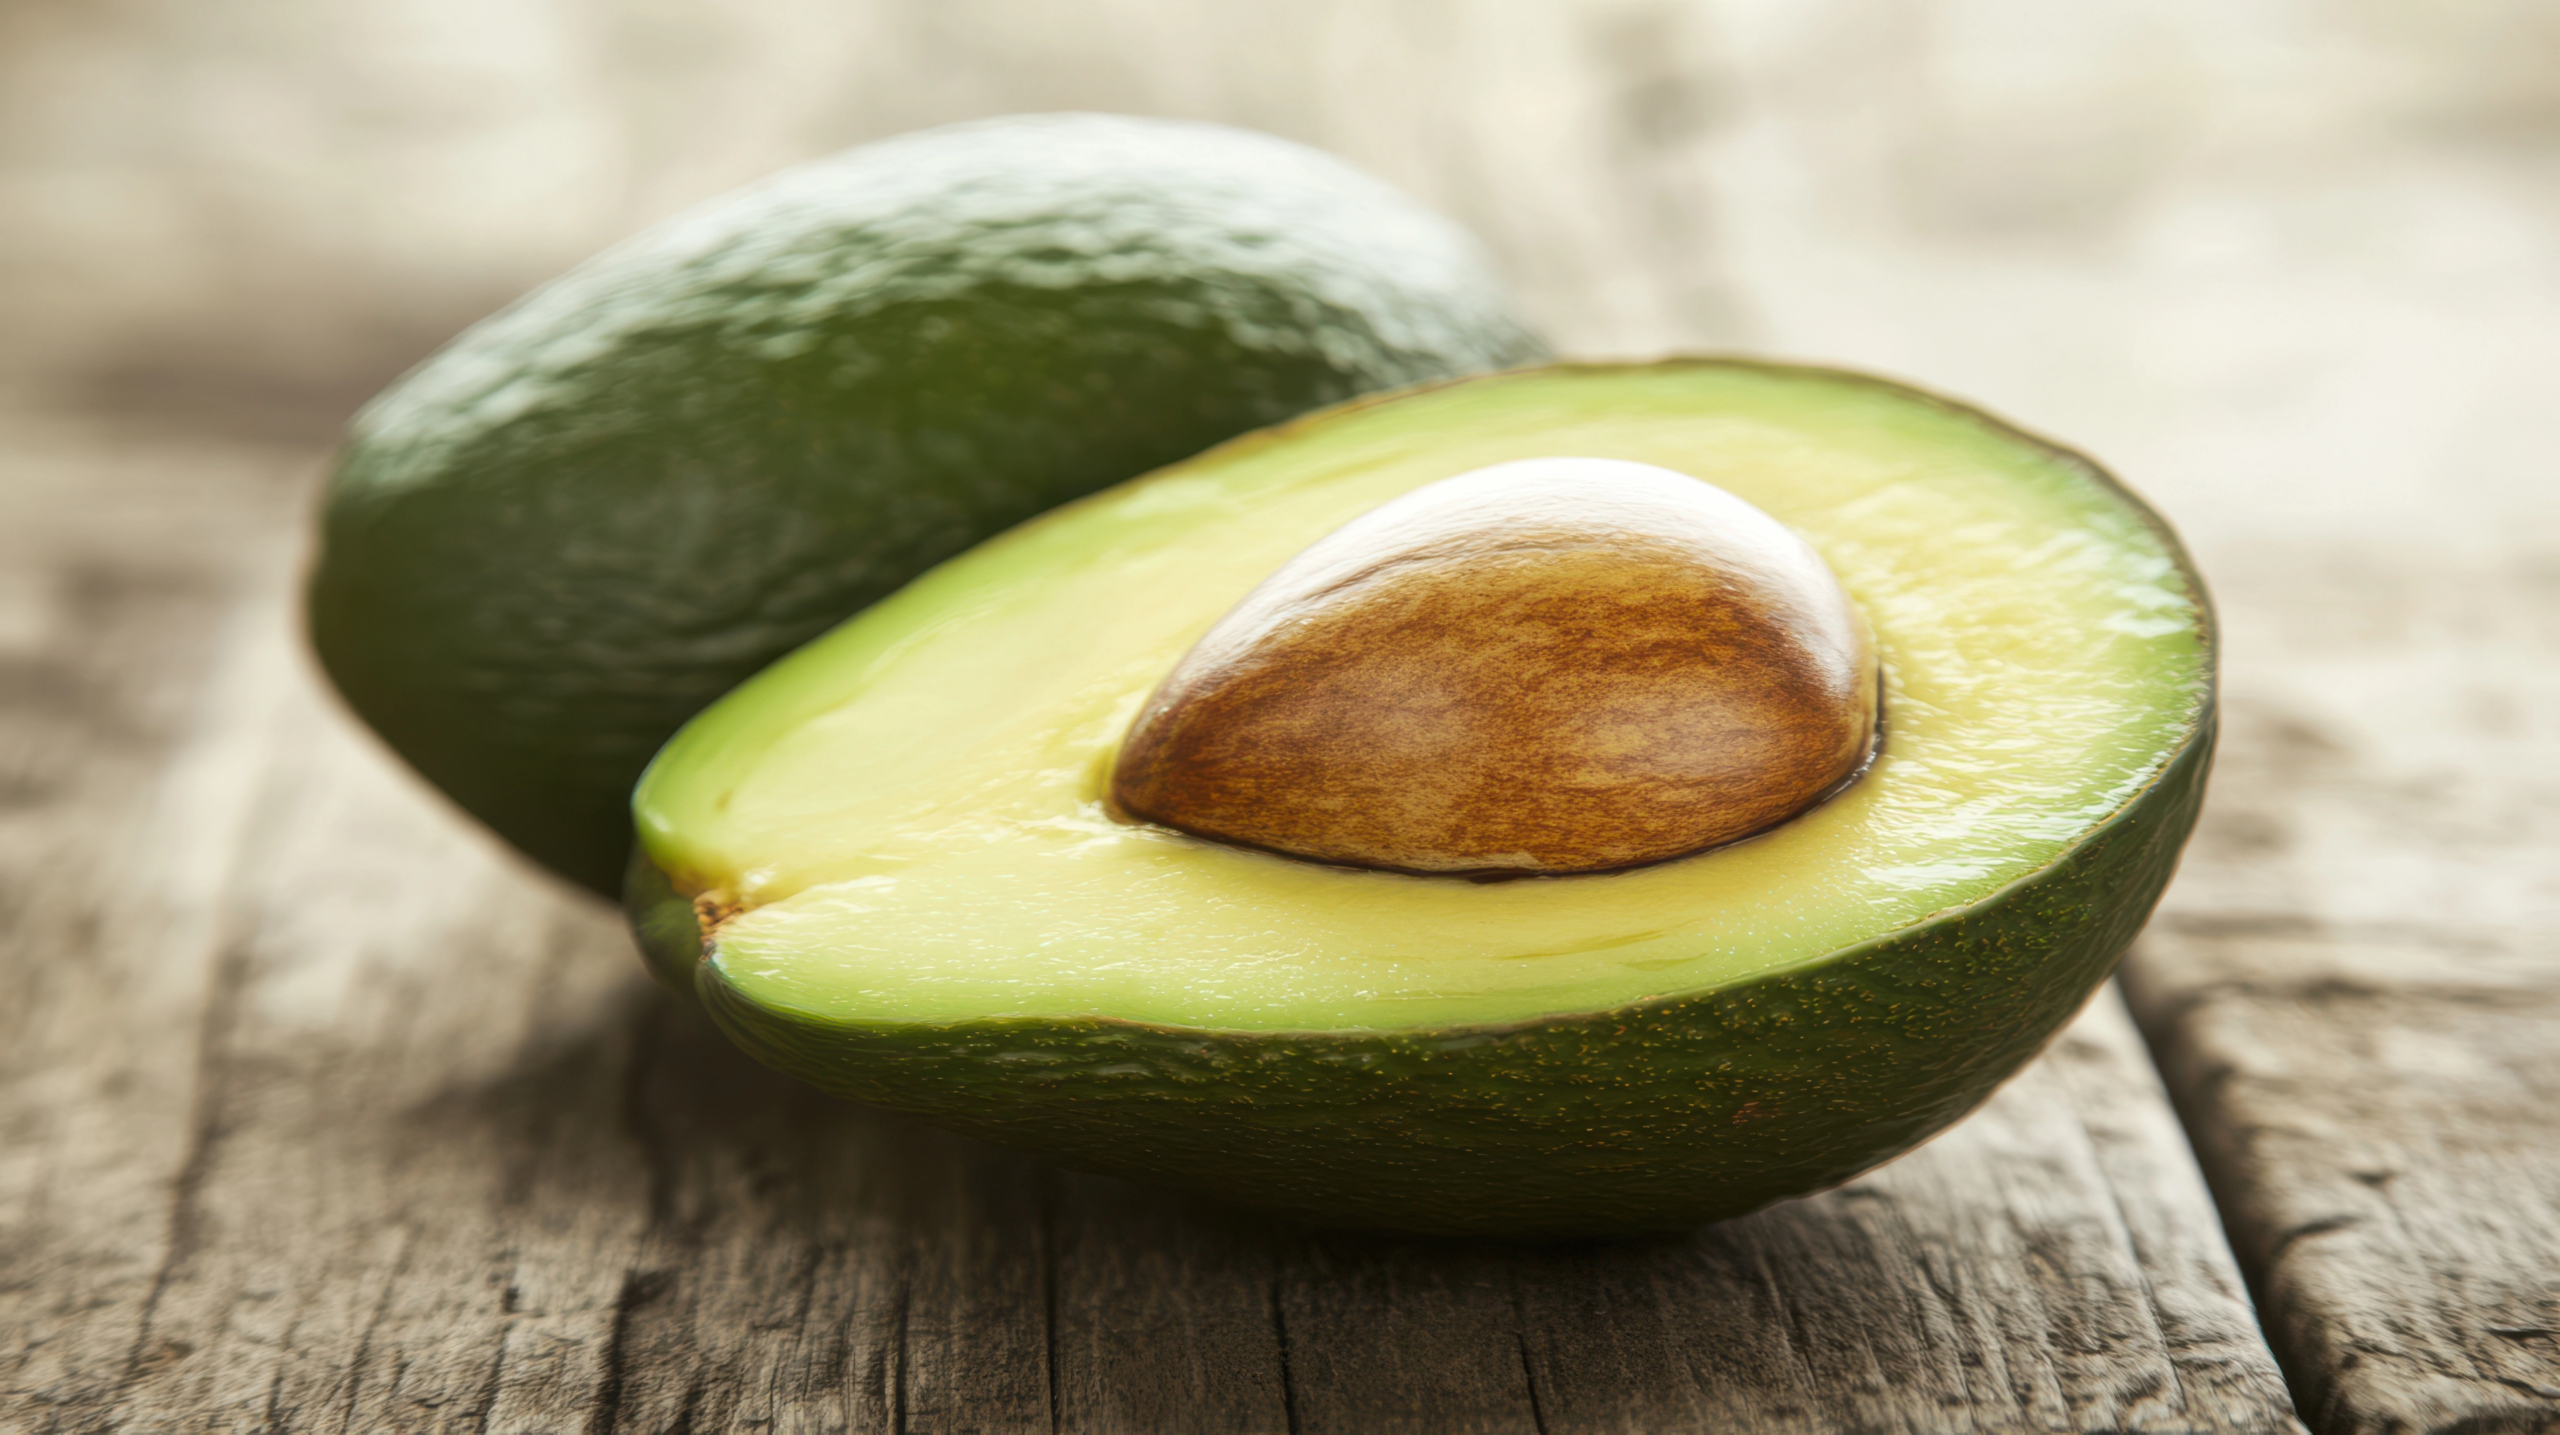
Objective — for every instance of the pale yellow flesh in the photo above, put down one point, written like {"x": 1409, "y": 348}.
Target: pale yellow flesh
{"x": 909, "y": 809}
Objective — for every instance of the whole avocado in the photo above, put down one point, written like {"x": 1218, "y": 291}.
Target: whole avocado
{"x": 589, "y": 516}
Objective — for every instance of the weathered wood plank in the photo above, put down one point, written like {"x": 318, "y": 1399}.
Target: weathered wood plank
{"x": 1165, "y": 1316}
{"x": 2353, "y": 991}
{"x": 455, "y": 1166}
{"x": 2402, "y": 1223}
{"x": 2354, "y": 994}
{"x": 370, "y": 1180}
{"x": 133, "y": 716}
{"x": 1917, "y": 1298}
{"x": 1394, "y": 1336}
{"x": 2205, "y": 1323}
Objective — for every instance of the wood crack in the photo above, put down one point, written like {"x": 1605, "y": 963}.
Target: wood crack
{"x": 1049, "y": 1195}
{"x": 2151, "y": 1307}
{"x": 2291, "y": 1236}
{"x": 639, "y": 1287}
{"x": 1280, "y": 1338}
{"x": 489, "y": 1388}
{"x": 205, "y": 1132}
{"x": 898, "y": 1355}
{"x": 1528, "y": 1369}
{"x": 363, "y": 1353}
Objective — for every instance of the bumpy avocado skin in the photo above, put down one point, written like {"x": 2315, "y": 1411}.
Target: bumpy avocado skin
{"x": 591, "y": 515}
{"x": 1648, "y": 1118}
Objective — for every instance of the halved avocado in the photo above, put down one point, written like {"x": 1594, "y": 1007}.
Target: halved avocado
{"x": 887, "y": 865}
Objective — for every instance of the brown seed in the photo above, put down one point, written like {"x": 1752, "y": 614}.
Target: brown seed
{"x": 1555, "y": 665}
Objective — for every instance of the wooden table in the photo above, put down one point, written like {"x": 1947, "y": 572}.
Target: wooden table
{"x": 319, "y": 1112}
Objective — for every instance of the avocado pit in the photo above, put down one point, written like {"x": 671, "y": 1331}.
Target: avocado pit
{"x": 1548, "y": 666}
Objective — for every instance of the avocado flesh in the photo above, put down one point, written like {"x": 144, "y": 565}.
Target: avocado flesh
{"x": 559, "y": 538}
{"x": 922, "y": 902}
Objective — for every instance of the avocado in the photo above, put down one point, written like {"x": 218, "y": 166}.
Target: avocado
{"x": 890, "y": 864}
{"x": 554, "y": 541}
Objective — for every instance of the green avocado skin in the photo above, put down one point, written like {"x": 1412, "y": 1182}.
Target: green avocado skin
{"x": 1645, "y": 1119}
{"x": 559, "y": 538}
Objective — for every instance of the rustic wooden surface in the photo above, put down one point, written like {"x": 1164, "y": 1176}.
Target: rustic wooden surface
{"x": 316, "y": 1113}
{"x": 2356, "y": 995}
{"x": 324, "y": 1115}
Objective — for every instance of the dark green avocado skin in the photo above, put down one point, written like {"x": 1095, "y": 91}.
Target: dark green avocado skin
{"x": 599, "y": 510}
{"x": 1649, "y": 1118}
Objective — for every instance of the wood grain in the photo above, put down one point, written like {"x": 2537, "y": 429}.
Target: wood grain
{"x": 2355, "y": 997}
{"x": 446, "y": 1162}
{"x": 2372, "y": 1106}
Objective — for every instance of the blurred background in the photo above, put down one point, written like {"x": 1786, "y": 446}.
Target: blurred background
{"x": 2293, "y": 269}
{"x": 2105, "y": 216}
